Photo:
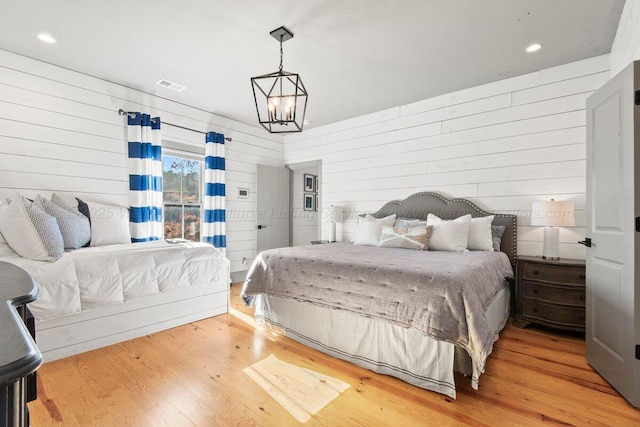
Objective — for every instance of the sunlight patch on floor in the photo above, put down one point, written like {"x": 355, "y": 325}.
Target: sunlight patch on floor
{"x": 302, "y": 392}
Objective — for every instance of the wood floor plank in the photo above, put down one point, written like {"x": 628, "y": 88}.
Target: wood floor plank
{"x": 192, "y": 376}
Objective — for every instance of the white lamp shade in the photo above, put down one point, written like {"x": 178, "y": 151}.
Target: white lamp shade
{"x": 553, "y": 214}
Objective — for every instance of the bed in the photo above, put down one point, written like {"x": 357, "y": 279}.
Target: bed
{"x": 96, "y": 287}
{"x": 416, "y": 315}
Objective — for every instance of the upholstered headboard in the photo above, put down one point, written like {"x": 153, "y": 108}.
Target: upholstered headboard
{"x": 419, "y": 205}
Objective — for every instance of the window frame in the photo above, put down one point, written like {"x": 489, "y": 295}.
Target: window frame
{"x": 185, "y": 155}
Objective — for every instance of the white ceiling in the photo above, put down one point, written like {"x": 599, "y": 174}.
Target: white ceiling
{"x": 354, "y": 56}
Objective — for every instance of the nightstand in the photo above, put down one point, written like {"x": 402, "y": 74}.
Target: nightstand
{"x": 550, "y": 293}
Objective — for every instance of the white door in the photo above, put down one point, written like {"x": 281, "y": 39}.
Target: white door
{"x": 613, "y": 289}
{"x": 272, "y": 200}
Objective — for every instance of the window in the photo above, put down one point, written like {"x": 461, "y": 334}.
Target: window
{"x": 182, "y": 195}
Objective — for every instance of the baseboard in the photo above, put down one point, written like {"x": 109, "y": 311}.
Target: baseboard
{"x": 238, "y": 276}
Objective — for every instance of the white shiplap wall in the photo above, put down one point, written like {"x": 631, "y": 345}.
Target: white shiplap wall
{"x": 502, "y": 145}
{"x": 626, "y": 46}
{"x": 60, "y": 132}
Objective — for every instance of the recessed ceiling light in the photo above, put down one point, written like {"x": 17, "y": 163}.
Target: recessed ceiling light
{"x": 534, "y": 47}
{"x": 46, "y": 38}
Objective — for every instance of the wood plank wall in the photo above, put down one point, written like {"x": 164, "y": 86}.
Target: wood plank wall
{"x": 60, "y": 132}
{"x": 626, "y": 46}
{"x": 502, "y": 145}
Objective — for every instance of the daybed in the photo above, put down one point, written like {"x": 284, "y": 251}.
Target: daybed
{"x": 418, "y": 315}
{"x": 95, "y": 296}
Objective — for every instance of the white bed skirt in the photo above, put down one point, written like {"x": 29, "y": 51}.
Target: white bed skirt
{"x": 379, "y": 346}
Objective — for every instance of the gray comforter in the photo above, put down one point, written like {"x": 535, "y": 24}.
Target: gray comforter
{"x": 443, "y": 294}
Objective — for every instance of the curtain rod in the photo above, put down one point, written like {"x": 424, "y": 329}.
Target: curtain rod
{"x": 123, "y": 112}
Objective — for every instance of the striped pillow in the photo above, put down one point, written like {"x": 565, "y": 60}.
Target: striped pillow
{"x": 406, "y": 237}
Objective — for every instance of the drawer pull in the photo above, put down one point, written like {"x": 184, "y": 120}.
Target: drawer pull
{"x": 535, "y": 291}
{"x": 582, "y": 297}
{"x": 582, "y": 277}
{"x": 535, "y": 309}
{"x": 582, "y": 318}
{"x": 536, "y": 272}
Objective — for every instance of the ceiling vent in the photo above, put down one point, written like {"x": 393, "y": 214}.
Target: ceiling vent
{"x": 170, "y": 85}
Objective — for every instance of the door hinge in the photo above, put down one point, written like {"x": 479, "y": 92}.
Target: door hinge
{"x": 638, "y": 97}
{"x": 638, "y": 223}
{"x": 638, "y": 352}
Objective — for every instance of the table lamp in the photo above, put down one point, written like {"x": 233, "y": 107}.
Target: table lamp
{"x": 335, "y": 215}
{"x": 552, "y": 215}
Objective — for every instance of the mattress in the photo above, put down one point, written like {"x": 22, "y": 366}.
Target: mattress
{"x": 92, "y": 277}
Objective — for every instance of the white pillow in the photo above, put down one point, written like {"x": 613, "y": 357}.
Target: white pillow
{"x": 480, "y": 234}
{"x": 109, "y": 224}
{"x": 5, "y": 249}
{"x": 30, "y": 231}
{"x": 370, "y": 228}
{"x": 451, "y": 235}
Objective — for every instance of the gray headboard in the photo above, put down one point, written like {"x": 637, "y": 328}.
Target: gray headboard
{"x": 419, "y": 205}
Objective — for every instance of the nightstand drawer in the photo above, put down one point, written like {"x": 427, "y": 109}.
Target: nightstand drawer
{"x": 566, "y": 316}
{"x": 559, "y": 295}
{"x": 554, "y": 274}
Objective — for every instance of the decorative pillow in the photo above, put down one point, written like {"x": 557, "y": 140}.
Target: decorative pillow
{"x": 369, "y": 229}
{"x": 83, "y": 208}
{"x": 30, "y": 231}
{"x": 74, "y": 226}
{"x": 496, "y": 236}
{"x": 480, "y": 234}
{"x": 409, "y": 222}
{"x": 406, "y": 237}
{"x": 451, "y": 235}
{"x": 109, "y": 224}
{"x": 5, "y": 249}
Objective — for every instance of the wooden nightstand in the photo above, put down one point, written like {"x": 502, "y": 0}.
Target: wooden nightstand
{"x": 550, "y": 293}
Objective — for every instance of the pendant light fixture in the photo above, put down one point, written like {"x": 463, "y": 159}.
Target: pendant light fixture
{"x": 280, "y": 97}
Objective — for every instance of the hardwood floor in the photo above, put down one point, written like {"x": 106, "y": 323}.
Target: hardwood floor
{"x": 192, "y": 376}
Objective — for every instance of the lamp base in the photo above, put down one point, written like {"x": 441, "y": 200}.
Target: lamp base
{"x": 551, "y": 243}
{"x": 332, "y": 232}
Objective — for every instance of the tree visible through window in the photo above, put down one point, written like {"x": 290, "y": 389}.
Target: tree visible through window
{"x": 182, "y": 187}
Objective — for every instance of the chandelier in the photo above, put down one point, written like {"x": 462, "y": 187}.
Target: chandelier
{"x": 280, "y": 97}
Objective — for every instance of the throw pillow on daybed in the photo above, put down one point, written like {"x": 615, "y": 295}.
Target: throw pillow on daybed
{"x": 30, "y": 231}
{"x": 109, "y": 224}
{"x": 74, "y": 226}
{"x": 5, "y": 249}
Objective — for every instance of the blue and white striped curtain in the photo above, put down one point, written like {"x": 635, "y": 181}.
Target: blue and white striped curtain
{"x": 145, "y": 177}
{"x": 213, "y": 224}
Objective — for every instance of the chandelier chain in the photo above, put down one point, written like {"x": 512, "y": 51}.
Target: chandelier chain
{"x": 281, "y": 53}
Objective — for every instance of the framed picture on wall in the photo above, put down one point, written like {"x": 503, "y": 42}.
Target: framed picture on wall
{"x": 309, "y": 202}
{"x": 309, "y": 183}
